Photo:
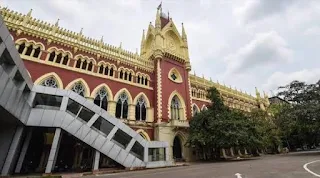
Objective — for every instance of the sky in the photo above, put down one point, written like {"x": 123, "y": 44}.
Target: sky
{"x": 240, "y": 43}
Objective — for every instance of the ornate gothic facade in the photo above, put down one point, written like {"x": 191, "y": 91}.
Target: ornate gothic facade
{"x": 153, "y": 92}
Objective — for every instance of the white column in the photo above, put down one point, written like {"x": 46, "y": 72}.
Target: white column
{"x": 96, "y": 161}
{"x": 9, "y": 162}
{"x": 23, "y": 151}
{"x": 54, "y": 150}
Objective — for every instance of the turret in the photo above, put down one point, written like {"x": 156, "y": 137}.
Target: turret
{"x": 158, "y": 20}
{"x": 185, "y": 48}
{"x": 142, "y": 50}
{"x": 158, "y": 52}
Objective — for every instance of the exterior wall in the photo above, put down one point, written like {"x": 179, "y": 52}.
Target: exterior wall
{"x": 199, "y": 103}
{"x": 6, "y": 134}
{"x": 170, "y": 86}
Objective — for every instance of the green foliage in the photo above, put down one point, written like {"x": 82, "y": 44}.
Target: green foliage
{"x": 299, "y": 122}
{"x": 221, "y": 127}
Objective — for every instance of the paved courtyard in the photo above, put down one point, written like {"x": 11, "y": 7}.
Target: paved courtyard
{"x": 269, "y": 166}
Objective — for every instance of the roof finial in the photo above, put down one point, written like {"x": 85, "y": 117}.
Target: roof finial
{"x": 168, "y": 16}
{"x": 120, "y": 45}
{"x": 57, "y": 23}
{"x": 143, "y": 36}
{"x": 257, "y": 92}
{"x": 29, "y": 13}
{"x": 81, "y": 31}
{"x": 101, "y": 40}
{"x": 184, "y": 35}
{"x": 158, "y": 21}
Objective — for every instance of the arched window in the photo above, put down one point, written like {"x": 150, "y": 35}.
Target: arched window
{"x": 84, "y": 65}
{"x": 29, "y": 50}
{"x": 78, "y": 64}
{"x": 138, "y": 80}
{"x": 65, "y": 60}
{"x": 52, "y": 55}
{"x": 175, "y": 108}
{"x": 122, "y": 106}
{"x": 195, "y": 110}
{"x": 121, "y": 74}
{"x": 125, "y": 75}
{"x": 36, "y": 52}
{"x": 106, "y": 70}
{"x": 146, "y": 81}
{"x": 141, "y": 111}
{"x": 90, "y": 66}
{"x": 111, "y": 72}
{"x": 21, "y": 48}
{"x": 101, "y": 69}
{"x": 130, "y": 77}
{"x": 50, "y": 82}
{"x": 101, "y": 99}
{"x": 78, "y": 88}
{"x": 59, "y": 57}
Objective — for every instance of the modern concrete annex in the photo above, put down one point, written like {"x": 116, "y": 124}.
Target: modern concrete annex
{"x": 75, "y": 103}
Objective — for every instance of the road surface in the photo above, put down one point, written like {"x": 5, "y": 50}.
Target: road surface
{"x": 269, "y": 166}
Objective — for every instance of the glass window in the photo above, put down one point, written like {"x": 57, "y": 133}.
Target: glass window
{"x": 121, "y": 138}
{"x": 50, "y": 82}
{"x": 157, "y": 154}
{"x": 103, "y": 125}
{"x": 138, "y": 150}
{"x": 85, "y": 114}
{"x": 47, "y": 101}
{"x": 73, "y": 107}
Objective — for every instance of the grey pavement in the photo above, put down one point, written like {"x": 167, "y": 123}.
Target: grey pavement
{"x": 268, "y": 166}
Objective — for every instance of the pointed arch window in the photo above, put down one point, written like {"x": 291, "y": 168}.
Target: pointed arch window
{"x": 122, "y": 106}
{"x": 141, "y": 111}
{"x": 50, "y": 82}
{"x": 36, "y": 52}
{"x": 78, "y": 64}
{"x": 84, "y": 65}
{"x": 29, "y": 50}
{"x": 79, "y": 88}
{"x": 59, "y": 57}
{"x": 175, "y": 108}
{"x": 65, "y": 60}
{"x": 111, "y": 72}
{"x": 101, "y": 99}
{"x": 52, "y": 55}
{"x": 21, "y": 48}
{"x": 90, "y": 66}
{"x": 106, "y": 70}
{"x": 101, "y": 69}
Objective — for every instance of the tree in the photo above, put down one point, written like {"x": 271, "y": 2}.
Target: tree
{"x": 299, "y": 122}
{"x": 221, "y": 127}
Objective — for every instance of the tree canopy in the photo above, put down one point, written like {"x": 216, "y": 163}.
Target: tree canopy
{"x": 222, "y": 127}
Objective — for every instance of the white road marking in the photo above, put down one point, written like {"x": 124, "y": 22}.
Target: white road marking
{"x": 238, "y": 175}
{"x": 305, "y": 166}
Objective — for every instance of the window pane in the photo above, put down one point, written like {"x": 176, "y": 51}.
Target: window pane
{"x": 73, "y": 107}
{"x": 85, "y": 114}
{"x": 138, "y": 150}
{"x": 103, "y": 125}
{"x": 157, "y": 154}
{"x": 47, "y": 101}
{"x": 121, "y": 138}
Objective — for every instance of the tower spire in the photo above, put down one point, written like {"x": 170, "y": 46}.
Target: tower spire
{"x": 158, "y": 21}
{"x": 184, "y": 35}
{"x": 29, "y": 13}
{"x": 57, "y": 23}
{"x": 142, "y": 43}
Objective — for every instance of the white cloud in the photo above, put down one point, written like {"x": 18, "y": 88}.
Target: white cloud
{"x": 312, "y": 31}
{"x": 254, "y": 10}
{"x": 265, "y": 49}
{"x": 280, "y": 78}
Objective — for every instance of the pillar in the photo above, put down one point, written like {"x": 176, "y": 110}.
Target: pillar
{"x": 132, "y": 112}
{"x": 11, "y": 156}
{"x": 23, "y": 151}
{"x": 112, "y": 108}
{"x": 231, "y": 151}
{"x": 224, "y": 153}
{"x": 54, "y": 150}
{"x": 96, "y": 161}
